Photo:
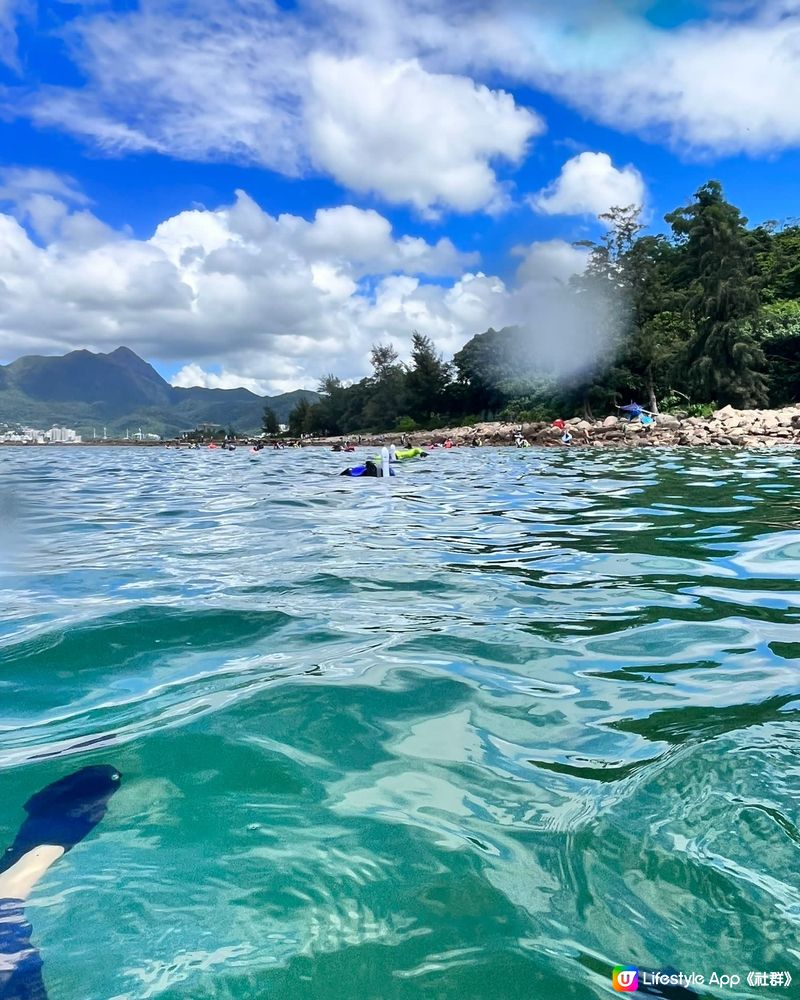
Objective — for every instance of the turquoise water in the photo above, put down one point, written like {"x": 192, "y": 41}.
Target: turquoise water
{"x": 481, "y": 731}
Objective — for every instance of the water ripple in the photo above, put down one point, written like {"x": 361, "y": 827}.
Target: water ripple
{"x": 509, "y": 718}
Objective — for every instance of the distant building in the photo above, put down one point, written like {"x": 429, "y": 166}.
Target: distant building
{"x": 21, "y": 435}
{"x": 62, "y": 435}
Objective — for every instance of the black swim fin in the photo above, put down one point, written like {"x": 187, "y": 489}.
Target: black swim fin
{"x": 64, "y": 812}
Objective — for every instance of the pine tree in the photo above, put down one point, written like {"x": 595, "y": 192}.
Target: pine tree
{"x": 269, "y": 422}
{"x": 428, "y": 377}
{"x": 299, "y": 418}
{"x": 725, "y": 360}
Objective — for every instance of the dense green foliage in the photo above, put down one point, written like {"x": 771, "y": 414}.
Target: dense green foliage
{"x": 704, "y": 316}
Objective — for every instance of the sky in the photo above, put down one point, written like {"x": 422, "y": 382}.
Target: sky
{"x": 252, "y": 193}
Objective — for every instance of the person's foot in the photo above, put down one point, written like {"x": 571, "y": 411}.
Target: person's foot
{"x": 64, "y": 812}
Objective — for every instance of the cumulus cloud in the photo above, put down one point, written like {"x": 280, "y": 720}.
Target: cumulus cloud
{"x": 720, "y": 84}
{"x": 413, "y": 136}
{"x": 590, "y": 184}
{"x": 272, "y": 301}
{"x": 240, "y": 297}
{"x": 193, "y": 375}
{"x": 550, "y": 262}
{"x": 270, "y": 87}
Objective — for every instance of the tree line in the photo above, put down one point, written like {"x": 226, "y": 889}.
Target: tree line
{"x": 706, "y": 315}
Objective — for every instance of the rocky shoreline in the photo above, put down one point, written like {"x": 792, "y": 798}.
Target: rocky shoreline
{"x": 726, "y": 428}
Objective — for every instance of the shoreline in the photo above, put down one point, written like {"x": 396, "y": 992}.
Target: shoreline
{"x": 725, "y": 428}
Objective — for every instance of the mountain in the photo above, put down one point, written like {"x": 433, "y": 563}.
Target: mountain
{"x": 120, "y": 391}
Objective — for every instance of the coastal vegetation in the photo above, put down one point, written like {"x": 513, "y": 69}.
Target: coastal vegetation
{"x": 704, "y": 315}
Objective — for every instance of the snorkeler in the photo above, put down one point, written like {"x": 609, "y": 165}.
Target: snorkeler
{"x": 369, "y": 469}
{"x": 59, "y": 817}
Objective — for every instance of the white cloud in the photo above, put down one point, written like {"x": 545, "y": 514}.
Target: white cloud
{"x": 199, "y": 83}
{"x": 550, "y": 262}
{"x": 342, "y": 80}
{"x": 718, "y": 85}
{"x": 272, "y": 302}
{"x": 413, "y": 136}
{"x": 10, "y": 11}
{"x": 240, "y": 297}
{"x": 18, "y": 183}
{"x": 590, "y": 184}
{"x": 715, "y": 87}
{"x": 40, "y": 198}
{"x": 264, "y": 86}
{"x": 193, "y": 375}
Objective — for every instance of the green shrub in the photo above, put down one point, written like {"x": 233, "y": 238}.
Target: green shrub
{"x": 703, "y": 410}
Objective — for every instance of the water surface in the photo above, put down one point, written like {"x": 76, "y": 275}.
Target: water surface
{"x": 481, "y": 731}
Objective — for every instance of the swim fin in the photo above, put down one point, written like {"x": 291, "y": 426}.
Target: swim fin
{"x": 64, "y": 812}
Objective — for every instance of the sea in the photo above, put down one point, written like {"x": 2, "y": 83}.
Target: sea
{"x": 487, "y": 729}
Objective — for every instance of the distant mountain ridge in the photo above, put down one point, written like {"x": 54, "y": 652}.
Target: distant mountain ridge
{"x": 121, "y": 391}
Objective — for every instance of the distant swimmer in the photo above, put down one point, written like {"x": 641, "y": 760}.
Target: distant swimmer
{"x": 59, "y": 817}
{"x": 403, "y": 455}
{"x": 368, "y": 469}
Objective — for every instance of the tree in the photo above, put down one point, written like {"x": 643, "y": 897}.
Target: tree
{"x": 659, "y": 330}
{"x": 609, "y": 258}
{"x": 782, "y": 348}
{"x": 384, "y": 359}
{"x": 483, "y": 365}
{"x": 269, "y": 422}
{"x": 428, "y": 377}
{"x": 778, "y": 257}
{"x": 606, "y": 293}
{"x": 386, "y": 389}
{"x": 326, "y": 415}
{"x": 299, "y": 418}
{"x": 724, "y": 358}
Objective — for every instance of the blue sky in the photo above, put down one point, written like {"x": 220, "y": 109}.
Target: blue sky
{"x": 406, "y": 164}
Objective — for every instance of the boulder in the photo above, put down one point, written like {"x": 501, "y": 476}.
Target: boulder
{"x": 667, "y": 420}
{"x": 726, "y": 411}
{"x": 611, "y": 422}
